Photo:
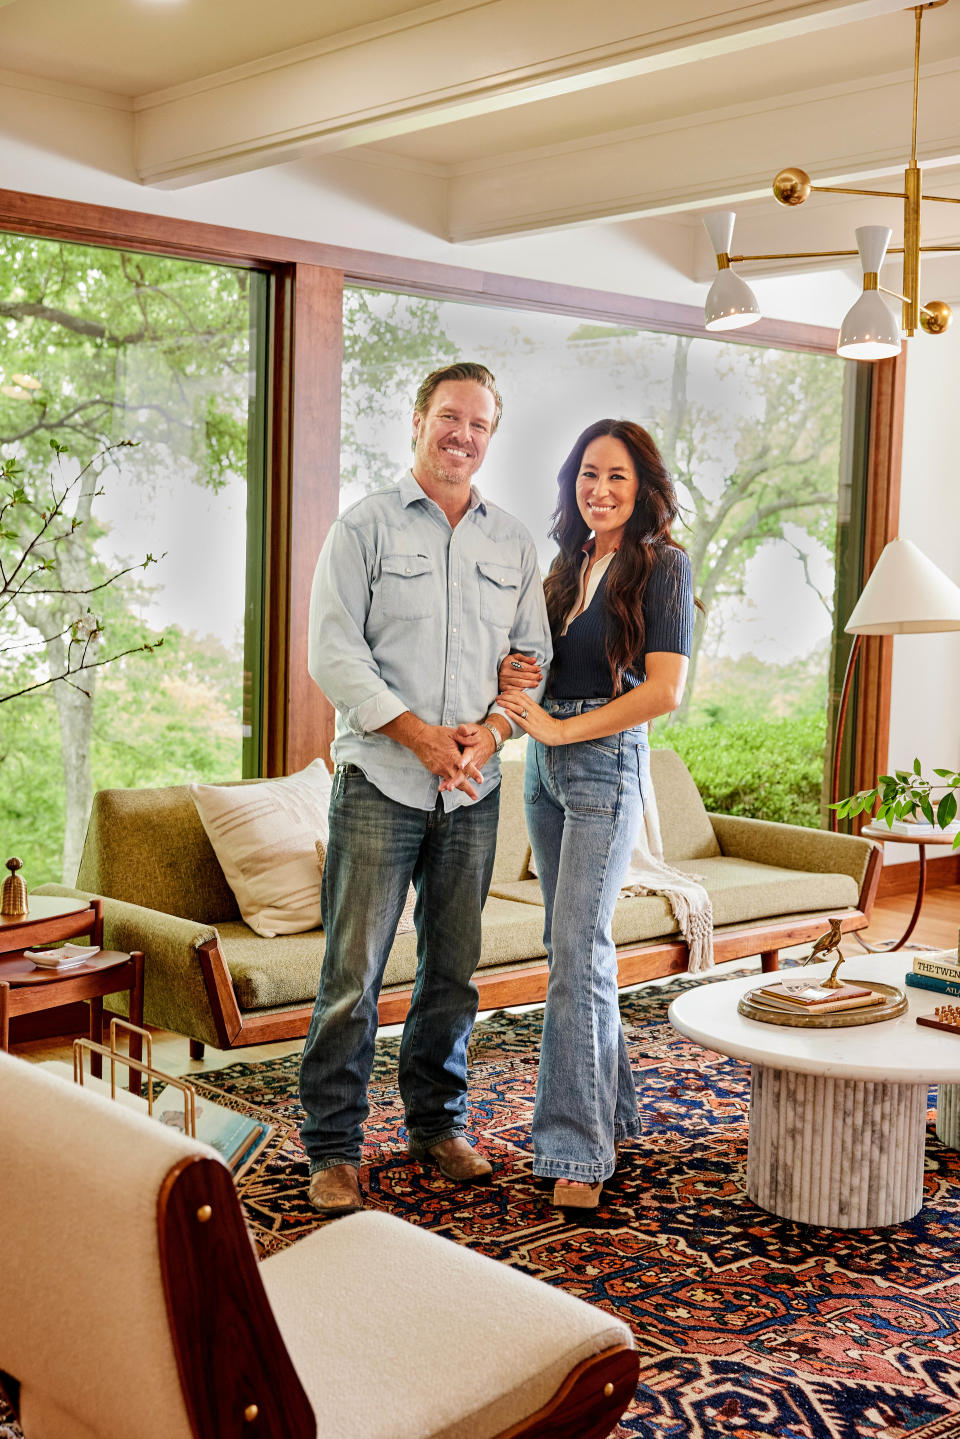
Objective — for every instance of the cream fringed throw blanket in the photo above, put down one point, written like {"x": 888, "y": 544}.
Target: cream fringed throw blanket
{"x": 649, "y": 873}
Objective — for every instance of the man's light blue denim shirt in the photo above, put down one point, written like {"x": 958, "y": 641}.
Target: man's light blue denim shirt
{"x": 409, "y": 614}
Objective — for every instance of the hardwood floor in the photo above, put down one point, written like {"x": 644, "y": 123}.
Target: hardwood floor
{"x": 937, "y": 927}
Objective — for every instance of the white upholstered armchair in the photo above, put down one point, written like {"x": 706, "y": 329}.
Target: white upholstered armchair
{"x": 131, "y": 1303}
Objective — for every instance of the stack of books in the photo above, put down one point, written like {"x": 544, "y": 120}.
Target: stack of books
{"x": 800, "y": 995}
{"x": 918, "y": 828}
{"x": 937, "y": 969}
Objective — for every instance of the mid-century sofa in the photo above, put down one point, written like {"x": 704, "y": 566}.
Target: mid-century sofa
{"x": 210, "y": 977}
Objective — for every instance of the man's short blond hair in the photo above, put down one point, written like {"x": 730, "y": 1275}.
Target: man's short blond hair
{"x": 463, "y": 370}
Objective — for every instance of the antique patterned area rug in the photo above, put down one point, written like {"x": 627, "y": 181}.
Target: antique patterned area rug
{"x": 747, "y": 1325}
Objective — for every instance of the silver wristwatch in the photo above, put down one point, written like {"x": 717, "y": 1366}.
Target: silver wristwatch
{"x": 497, "y": 736}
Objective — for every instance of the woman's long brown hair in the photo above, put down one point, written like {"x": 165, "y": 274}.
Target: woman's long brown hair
{"x": 649, "y": 525}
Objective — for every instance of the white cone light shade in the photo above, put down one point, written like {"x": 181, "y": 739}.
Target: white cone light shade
{"x": 730, "y": 302}
{"x": 870, "y": 330}
{"x": 906, "y": 595}
{"x": 719, "y": 226}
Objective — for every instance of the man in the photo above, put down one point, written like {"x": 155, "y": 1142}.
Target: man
{"x": 420, "y": 591}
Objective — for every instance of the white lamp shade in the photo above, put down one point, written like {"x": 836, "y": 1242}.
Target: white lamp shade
{"x": 719, "y": 226}
{"x": 870, "y": 330}
{"x": 730, "y": 303}
{"x": 906, "y": 595}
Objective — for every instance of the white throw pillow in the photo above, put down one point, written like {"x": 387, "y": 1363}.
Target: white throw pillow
{"x": 264, "y": 836}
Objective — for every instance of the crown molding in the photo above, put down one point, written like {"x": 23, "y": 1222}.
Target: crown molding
{"x": 83, "y": 94}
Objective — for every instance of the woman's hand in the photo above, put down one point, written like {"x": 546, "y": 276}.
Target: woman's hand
{"x": 519, "y": 672}
{"x": 530, "y": 717}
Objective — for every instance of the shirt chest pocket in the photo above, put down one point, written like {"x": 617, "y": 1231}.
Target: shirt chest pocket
{"x": 499, "y": 592}
{"x": 406, "y": 590}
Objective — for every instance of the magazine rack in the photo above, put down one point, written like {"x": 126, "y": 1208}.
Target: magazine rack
{"x": 116, "y": 1056}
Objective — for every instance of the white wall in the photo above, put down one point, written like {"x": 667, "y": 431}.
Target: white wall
{"x": 925, "y": 709}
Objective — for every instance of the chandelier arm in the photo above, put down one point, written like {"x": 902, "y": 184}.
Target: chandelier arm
{"x": 847, "y": 190}
{"x": 943, "y": 199}
{"x": 937, "y": 249}
{"x": 794, "y": 255}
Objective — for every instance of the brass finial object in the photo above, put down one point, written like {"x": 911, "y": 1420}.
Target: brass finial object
{"x": 792, "y": 186}
{"x": 13, "y": 895}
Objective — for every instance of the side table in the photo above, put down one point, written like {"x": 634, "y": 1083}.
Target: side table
{"x": 887, "y": 836}
{"x": 27, "y": 989}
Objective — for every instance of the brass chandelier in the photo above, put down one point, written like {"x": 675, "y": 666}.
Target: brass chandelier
{"x": 869, "y": 330}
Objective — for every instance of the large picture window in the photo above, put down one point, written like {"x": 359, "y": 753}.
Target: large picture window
{"x": 752, "y": 437}
{"x": 146, "y": 375}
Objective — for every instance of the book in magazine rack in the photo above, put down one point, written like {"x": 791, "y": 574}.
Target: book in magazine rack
{"x": 237, "y": 1137}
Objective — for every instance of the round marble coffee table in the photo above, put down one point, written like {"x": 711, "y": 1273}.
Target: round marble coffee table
{"x": 837, "y": 1116}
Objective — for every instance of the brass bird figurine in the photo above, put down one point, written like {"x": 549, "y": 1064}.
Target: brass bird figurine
{"x": 827, "y": 943}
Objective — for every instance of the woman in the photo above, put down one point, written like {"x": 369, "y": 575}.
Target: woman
{"x": 621, "y": 613}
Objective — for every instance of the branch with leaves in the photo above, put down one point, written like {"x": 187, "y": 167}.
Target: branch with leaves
{"x": 37, "y": 535}
{"x": 903, "y": 793}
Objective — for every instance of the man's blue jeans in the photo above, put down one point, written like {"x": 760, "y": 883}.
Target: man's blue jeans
{"x": 376, "y": 848}
{"x": 584, "y": 805}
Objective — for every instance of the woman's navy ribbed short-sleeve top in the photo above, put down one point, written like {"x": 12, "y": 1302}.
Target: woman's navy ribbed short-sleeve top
{"x": 579, "y": 668}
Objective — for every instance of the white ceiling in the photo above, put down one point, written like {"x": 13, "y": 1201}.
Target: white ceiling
{"x": 130, "y": 47}
{"x": 533, "y": 114}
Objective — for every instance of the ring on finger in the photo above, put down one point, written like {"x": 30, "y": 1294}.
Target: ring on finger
{"x": 523, "y": 714}
{"x": 516, "y": 665}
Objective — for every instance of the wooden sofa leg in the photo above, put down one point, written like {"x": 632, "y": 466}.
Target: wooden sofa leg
{"x": 770, "y": 960}
{"x": 196, "y": 1049}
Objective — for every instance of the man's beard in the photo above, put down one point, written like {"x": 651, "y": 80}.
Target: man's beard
{"x": 434, "y": 464}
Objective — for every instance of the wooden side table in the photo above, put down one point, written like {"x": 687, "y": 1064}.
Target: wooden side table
{"x": 887, "y": 836}
{"x": 26, "y": 989}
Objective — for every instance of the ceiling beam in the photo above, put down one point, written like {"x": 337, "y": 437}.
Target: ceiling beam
{"x": 843, "y": 134}
{"x": 445, "y": 61}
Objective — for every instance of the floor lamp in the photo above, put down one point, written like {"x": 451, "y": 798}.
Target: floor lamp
{"x": 905, "y": 595}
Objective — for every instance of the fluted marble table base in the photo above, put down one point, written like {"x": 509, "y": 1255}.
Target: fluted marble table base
{"x": 841, "y": 1153}
{"x": 837, "y": 1114}
{"x": 948, "y": 1115}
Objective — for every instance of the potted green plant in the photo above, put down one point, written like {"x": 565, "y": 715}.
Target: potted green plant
{"x": 903, "y": 794}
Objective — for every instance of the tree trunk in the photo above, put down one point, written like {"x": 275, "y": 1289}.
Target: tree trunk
{"x": 75, "y": 713}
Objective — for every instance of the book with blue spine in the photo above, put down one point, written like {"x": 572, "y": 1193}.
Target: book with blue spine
{"x": 933, "y": 982}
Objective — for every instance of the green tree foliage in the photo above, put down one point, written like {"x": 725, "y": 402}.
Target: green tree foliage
{"x": 770, "y": 769}
{"x": 100, "y": 348}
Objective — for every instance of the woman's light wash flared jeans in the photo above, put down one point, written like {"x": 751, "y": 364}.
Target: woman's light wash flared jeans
{"x": 584, "y": 805}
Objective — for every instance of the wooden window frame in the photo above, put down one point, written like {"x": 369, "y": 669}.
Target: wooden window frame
{"x": 306, "y": 336}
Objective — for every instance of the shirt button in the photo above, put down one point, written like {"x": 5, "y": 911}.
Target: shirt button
{"x": 454, "y": 630}
{"x": 453, "y": 676}
{"x": 454, "y": 584}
